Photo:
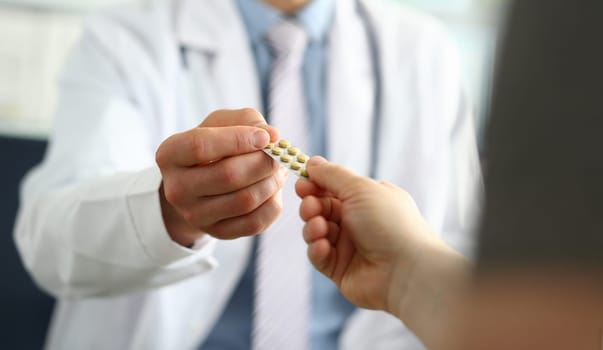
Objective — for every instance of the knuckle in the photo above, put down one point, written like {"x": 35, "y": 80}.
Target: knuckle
{"x": 162, "y": 155}
{"x": 246, "y": 200}
{"x": 405, "y": 194}
{"x": 174, "y": 192}
{"x": 250, "y": 114}
{"x": 254, "y": 225}
{"x": 224, "y": 232}
{"x": 212, "y": 117}
{"x": 276, "y": 207}
{"x": 230, "y": 174}
{"x": 214, "y": 114}
{"x": 196, "y": 219}
{"x": 198, "y": 142}
{"x": 275, "y": 184}
{"x": 188, "y": 215}
{"x": 387, "y": 184}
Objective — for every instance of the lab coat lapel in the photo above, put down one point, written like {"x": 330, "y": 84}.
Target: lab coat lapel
{"x": 226, "y": 76}
{"x": 221, "y": 74}
{"x": 350, "y": 89}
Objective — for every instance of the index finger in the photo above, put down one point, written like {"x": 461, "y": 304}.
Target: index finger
{"x": 332, "y": 178}
{"x": 305, "y": 187}
{"x": 234, "y": 117}
{"x": 200, "y": 146}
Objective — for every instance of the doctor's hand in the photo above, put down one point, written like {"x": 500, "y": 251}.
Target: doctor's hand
{"x": 371, "y": 240}
{"x": 216, "y": 179}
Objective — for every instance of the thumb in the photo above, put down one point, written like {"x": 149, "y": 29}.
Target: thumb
{"x": 333, "y": 178}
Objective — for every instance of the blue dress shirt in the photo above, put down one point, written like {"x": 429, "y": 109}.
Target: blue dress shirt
{"x": 329, "y": 309}
{"x": 315, "y": 18}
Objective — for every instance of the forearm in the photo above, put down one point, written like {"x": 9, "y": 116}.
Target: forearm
{"x": 430, "y": 291}
{"x": 100, "y": 237}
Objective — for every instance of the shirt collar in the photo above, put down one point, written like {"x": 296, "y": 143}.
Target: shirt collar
{"x": 315, "y": 17}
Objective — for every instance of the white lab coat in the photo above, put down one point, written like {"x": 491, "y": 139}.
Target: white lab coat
{"x": 90, "y": 230}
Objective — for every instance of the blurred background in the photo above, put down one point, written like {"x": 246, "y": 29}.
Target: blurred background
{"x": 35, "y": 37}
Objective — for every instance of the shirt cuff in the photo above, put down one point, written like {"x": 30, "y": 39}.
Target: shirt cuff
{"x": 145, "y": 212}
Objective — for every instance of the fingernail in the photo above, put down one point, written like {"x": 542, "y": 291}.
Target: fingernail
{"x": 272, "y": 132}
{"x": 261, "y": 139}
{"x": 263, "y": 122}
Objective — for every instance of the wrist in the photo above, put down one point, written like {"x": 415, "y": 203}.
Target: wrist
{"x": 405, "y": 275}
{"x": 426, "y": 284}
{"x": 432, "y": 290}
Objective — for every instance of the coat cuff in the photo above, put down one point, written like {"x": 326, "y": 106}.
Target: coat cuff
{"x": 145, "y": 211}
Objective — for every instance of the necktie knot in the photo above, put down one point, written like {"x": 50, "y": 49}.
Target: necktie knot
{"x": 287, "y": 40}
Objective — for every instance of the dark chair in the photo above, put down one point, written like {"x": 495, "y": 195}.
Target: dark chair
{"x": 25, "y": 310}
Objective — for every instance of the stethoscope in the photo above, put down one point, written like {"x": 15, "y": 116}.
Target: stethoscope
{"x": 377, "y": 73}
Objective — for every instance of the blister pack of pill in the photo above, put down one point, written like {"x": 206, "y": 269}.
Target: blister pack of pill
{"x": 289, "y": 156}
